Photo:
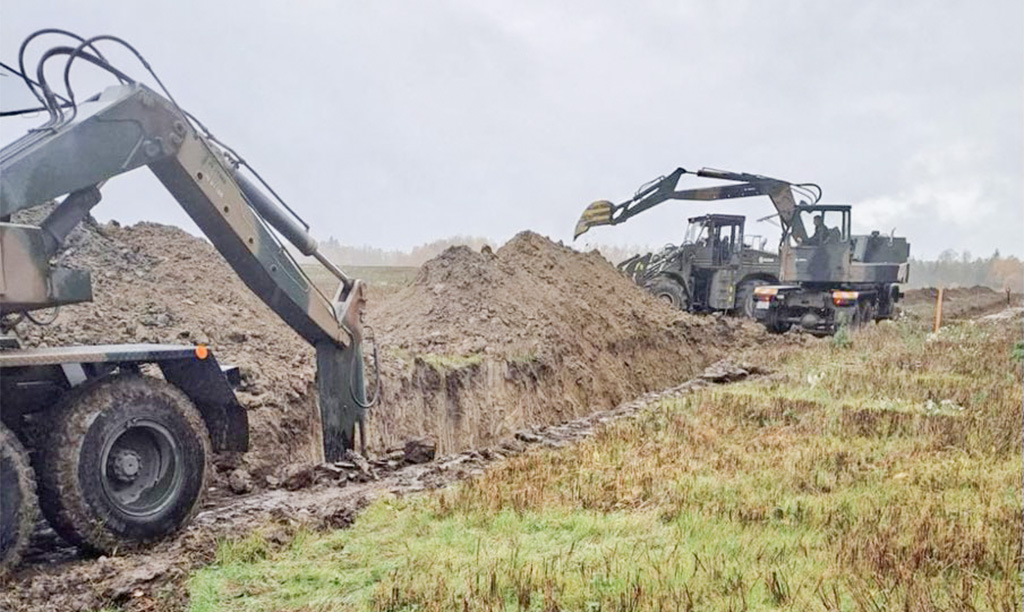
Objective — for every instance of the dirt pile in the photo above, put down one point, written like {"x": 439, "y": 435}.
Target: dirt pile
{"x": 483, "y": 343}
{"x": 154, "y": 283}
{"x": 532, "y": 297}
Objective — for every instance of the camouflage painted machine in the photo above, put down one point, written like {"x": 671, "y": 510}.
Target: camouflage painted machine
{"x": 826, "y": 279}
{"x": 122, "y": 459}
{"x": 717, "y": 267}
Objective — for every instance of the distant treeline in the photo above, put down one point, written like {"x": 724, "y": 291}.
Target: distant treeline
{"x": 951, "y": 269}
{"x": 345, "y": 255}
{"x": 371, "y": 256}
{"x": 954, "y": 269}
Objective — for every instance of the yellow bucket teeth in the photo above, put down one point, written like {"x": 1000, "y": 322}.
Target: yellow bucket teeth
{"x": 598, "y": 213}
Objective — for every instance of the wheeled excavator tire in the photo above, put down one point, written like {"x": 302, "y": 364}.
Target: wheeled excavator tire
{"x": 856, "y": 317}
{"x": 745, "y": 297}
{"x": 866, "y": 313}
{"x": 124, "y": 464}
{"x": 775, "y": 326}
{"x": 669, "y": 290}
{"x": 18, "y": 505}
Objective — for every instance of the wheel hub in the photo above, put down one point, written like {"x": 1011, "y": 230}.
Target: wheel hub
{"x": 126, "y": 465}
{"x": 143, "y": 468}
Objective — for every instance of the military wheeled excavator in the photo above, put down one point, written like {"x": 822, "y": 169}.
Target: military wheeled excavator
{"x": 714, "y": 269}
{"x": 826, "y": 279}
{"x": 123, "y": 433}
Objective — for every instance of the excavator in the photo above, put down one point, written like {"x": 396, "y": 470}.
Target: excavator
{"x": 119, "y": 455}
{"x": 713, "y": 270}
{"x": 825, "y": 280}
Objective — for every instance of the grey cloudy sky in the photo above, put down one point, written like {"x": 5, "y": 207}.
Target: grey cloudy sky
{"x": 395, "y": 123}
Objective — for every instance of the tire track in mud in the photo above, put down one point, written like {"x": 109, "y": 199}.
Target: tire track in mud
{"x": 324, "y": 497}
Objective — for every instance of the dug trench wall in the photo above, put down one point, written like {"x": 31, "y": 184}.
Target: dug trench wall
{"x": 478, "y": 346}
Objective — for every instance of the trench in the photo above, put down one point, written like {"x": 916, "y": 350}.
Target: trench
{"x": 59, "y": 578}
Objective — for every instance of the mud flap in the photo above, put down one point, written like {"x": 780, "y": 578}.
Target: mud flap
{"x": 342, "y": 395}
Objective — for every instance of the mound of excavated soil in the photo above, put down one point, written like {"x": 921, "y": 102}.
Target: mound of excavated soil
{"x": 533, "y": 333}
{"x": 531, "y": 298}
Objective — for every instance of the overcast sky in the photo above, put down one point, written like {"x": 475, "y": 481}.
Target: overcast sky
{"x": 392, "y": 124}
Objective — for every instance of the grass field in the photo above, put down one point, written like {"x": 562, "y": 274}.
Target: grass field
{"x": 387, "y": 277}
{"x": 883, "y": 474}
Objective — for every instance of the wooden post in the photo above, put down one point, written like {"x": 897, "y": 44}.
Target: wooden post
{"x": 938, "y": 311}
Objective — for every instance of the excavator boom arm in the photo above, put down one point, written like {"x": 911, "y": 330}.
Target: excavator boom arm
{"x": 663, "y": 189}
{"x": 129, "y": 126}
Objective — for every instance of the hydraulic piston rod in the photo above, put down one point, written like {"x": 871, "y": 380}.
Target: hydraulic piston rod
{"x": 286, "y": 225}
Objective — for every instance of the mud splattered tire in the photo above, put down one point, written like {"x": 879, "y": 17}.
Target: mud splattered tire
{"x": 18, "y": 506}
{"x": 774, "y": 326}
{"x": 855, "y": 317}
{"x": 865, "y": 314}
{"x": 670, "y": 291}
{"x": 124, "y": 465}
{"x": 745, "y": 297}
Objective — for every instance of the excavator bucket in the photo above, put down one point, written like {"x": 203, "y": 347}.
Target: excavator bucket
{"x": 598, "y": 213}
{"x": 341, "y": 387}
{"x": 342, "y": 396}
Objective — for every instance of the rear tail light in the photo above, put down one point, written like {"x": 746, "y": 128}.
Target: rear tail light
{"x": 845, "y": 298}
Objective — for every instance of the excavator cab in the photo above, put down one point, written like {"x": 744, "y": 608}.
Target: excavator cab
{"x": 828, "y": 224}
{"x": 713, "y": 247}
{"x": 716, "y": 238}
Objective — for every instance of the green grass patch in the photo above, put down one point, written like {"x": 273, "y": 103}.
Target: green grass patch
{"x": 402, "y": 555}
{"x": 390, "y": 277}
{"x": 439, "y": 361}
